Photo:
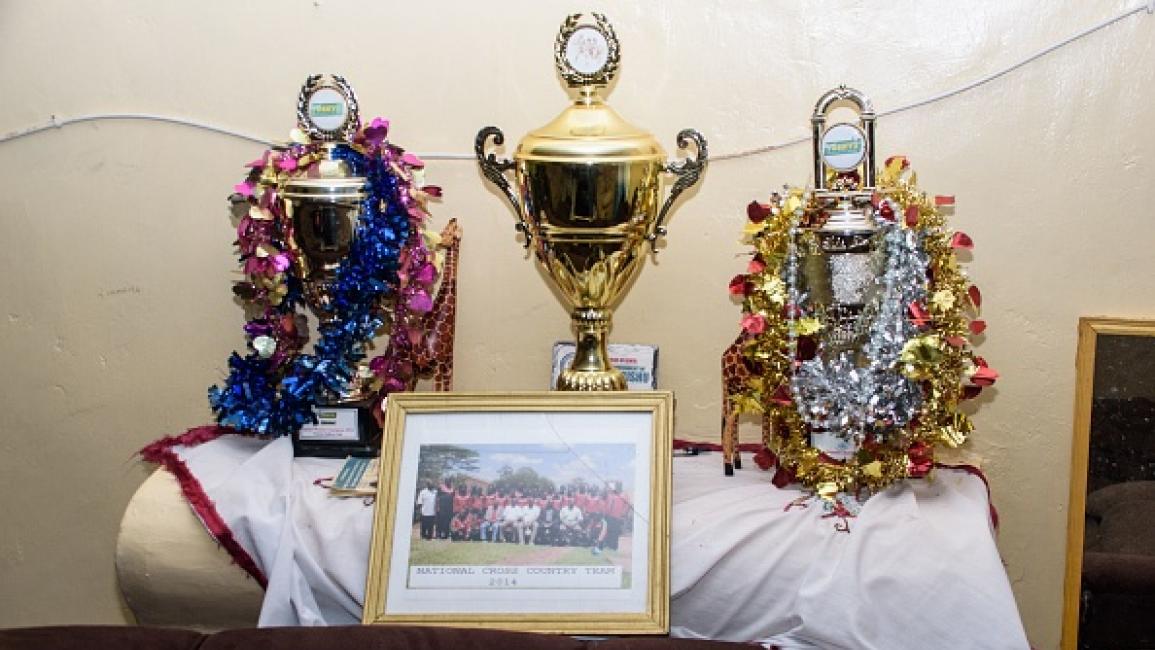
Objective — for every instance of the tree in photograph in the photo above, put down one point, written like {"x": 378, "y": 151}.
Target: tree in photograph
{"x": 438, "y": 461}
{"x": 523, "y": 480}
{"x": 579, "y": 484}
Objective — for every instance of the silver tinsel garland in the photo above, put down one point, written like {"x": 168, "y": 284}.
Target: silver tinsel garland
{"x": 855, "y": 394}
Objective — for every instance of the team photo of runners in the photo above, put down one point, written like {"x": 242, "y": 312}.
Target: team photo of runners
{"x": 526, "y": 504}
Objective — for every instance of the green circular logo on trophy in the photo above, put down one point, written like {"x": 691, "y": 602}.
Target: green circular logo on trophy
{"x": 327, "y": 109}
{"x": 587, "y": 54}
{"x": 843, "y": 147}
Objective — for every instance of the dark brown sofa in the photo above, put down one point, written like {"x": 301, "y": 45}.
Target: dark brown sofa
{"x": 379, "y": 637}
{"x": 1118, "y": 590}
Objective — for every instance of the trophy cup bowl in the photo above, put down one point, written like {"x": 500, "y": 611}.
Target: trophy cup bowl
{"x": 836, "y": 275}
{"x": 324, "y": 217}
{"x": 589, "y": 200}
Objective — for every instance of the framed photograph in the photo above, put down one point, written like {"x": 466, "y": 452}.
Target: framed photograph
{"x": 546, "y": 512}
{"x": 1110, "y": 576}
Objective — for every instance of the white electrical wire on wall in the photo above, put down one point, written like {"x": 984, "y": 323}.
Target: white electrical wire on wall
{"x": 57, "y": 123}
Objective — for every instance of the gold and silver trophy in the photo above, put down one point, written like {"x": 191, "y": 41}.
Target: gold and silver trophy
{"x": 323, "y": 207}
{"x": 836, "y": 275}
{"x": 588, "y": 196}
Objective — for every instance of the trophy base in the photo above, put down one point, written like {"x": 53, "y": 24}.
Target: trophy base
{"x": 342, "y": 429}
{"x": 591, "y": 380}
{"x": 591, "y": 369}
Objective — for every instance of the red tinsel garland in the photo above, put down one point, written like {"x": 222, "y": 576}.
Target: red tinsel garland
{"x": 161, "y": 452}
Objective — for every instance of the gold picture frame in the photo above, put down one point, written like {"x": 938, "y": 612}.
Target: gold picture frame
{"x": 569, "y": 580}
{"x": 1107, "y": 365}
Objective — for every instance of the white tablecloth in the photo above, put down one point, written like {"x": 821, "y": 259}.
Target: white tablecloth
{"x": 917, "y": 569}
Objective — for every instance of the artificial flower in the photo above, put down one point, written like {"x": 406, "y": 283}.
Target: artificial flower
{"x": 782, "y": 395}
{"x": 764, "y": 458}
{"x": 911, "y": 216}
{"x": 976, "y": 296}
{"x": 757, "y": 212}
{"x": 739, "y": 286}
{"x": 943, "y": 299}
{"x": 426, "y": 274}
{"x": 752, "y": 228}
{"x": 420, "y": 302}
{"x": 754, "y": 323}
{"x": 980, "y": 373}
{"x": 774, "y": 289}
{"x": 807, "y": 326}
{"x": 918, "y": 314}
{"x": 886, "y": 210}
{"x": 265, "y": 346}
{"x": 376, "y": 132}
{"x": 783, "y": 476}
{"x": 260, "y": 213}
{"x": 920, "y": 459}
{"x": 793, "y": 204}
{"x": 920, "y": 353}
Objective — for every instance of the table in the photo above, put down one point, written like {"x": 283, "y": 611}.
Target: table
{"x": 917, "y": 567}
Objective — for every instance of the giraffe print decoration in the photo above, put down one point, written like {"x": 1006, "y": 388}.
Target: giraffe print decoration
{"x": 735, "y": 373}
{"x": 737, "y": 370}
{"x": 434, "y": 355}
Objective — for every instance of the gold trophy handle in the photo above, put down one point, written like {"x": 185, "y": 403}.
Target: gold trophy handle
{"x": 689, "y": 171}
{"x": 494, "y": 170}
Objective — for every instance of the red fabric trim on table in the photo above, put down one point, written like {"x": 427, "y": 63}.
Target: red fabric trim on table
{"x": 711, "y": 446}
{"x": 757, "y": 446}
{"x": 974, "y": 471}
{"x": 161, "y": 453}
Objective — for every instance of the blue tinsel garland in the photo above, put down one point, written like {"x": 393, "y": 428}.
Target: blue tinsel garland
{"x": 265, "y": 400}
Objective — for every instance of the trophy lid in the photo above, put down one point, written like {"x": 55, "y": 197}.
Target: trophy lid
{"x": 589, "y": 132}
{"x": 587, "y": 55}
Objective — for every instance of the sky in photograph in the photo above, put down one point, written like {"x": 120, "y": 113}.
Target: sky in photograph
{"x": 596, "y": 463}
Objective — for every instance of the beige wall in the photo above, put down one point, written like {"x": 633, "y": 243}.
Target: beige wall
{"x": 116, "y": 262}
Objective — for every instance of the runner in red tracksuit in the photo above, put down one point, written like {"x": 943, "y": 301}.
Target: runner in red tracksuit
{"x": 617, "y": 509}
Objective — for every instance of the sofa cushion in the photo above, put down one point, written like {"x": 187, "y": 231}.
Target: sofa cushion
{"x": 99, "y": 637}
{"x": 369, "y": 637}
{"x": 661, "y": 643}
{"x": 383, "y": 637}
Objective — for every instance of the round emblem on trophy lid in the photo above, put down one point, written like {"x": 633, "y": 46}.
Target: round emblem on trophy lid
{"x": 327, "y": 109}
{"x": 587, "y": 54}
{"x": 843, "y": 147}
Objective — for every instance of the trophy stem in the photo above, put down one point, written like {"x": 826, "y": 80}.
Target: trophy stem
{"x": 591, "y": 368}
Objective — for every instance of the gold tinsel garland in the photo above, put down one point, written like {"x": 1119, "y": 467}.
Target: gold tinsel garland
{"x": 938, "y": 356}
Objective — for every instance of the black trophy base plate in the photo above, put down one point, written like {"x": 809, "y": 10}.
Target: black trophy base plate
{"x": 361, "y": 438}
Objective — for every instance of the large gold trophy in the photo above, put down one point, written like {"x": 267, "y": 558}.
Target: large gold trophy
{"x": 589, "y": 195}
